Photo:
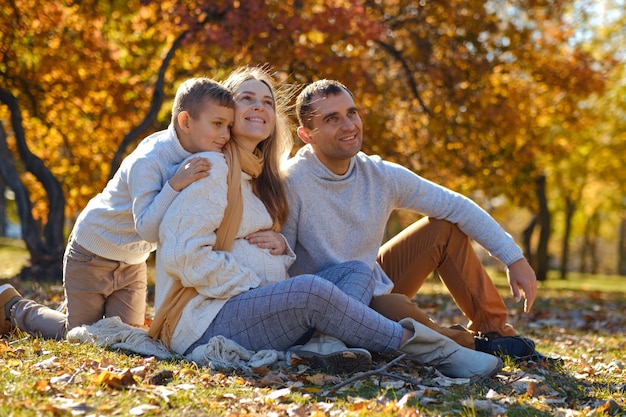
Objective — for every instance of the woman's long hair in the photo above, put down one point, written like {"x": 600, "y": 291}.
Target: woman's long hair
{"x": 269, "y": 185}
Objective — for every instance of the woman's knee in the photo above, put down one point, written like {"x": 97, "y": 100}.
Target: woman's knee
{"x": 309, "y": 283}
{"x": 314, "y": 287}
{"x": 358, "y": 267}
{"x": 343, "y": 268}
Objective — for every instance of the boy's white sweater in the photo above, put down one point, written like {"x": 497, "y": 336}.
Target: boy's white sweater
{"x": 122, "y": 222}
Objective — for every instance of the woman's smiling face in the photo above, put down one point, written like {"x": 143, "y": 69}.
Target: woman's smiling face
{"x": 255, "y": 114}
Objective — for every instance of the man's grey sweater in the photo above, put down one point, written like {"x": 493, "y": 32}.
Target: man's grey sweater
{"x": 336, "y": 218}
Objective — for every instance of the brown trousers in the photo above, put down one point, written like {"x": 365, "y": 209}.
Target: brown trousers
{"x": 430, "y": 244}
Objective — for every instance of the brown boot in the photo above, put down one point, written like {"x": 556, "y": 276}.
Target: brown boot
{"x": 8, "y": 297}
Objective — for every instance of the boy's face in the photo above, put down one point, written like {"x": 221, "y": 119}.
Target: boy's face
{"x": 210, "y": 131}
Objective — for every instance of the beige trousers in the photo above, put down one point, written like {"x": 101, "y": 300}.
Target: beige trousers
{"x": 95, "y": 287}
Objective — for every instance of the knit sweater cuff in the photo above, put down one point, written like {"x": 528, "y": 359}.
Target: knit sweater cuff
{"x": 510, "y": 254}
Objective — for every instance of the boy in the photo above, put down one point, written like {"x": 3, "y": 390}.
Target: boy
{"x": 104, "y": 264}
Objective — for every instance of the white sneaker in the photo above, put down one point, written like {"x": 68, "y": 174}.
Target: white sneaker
{"x": 428, "y": 347}
{"x": 332, "y": 355}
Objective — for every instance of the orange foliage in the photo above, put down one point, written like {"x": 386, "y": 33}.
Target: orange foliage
{"x": 460, "y": 92}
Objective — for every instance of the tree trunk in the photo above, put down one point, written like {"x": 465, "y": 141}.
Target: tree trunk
{"x": 3, "y": 208}
{"x": 621, "y": 249}
{"x": 527, "y": 237}
{"x": 570, "y": 208}
{"x": 584, "y": 249}
{"x": 593, "y": 248}
{"x": 45, "y": 249}
{"x": 544, "y": 231}
{"x": 588, "y": 253}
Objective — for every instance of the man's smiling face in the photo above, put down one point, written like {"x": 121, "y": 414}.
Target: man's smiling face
{"x": 335, "y": 131}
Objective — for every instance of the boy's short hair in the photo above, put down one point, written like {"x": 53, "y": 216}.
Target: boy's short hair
{"x": 193, "y": 94}
{"x": 315, "y": 91}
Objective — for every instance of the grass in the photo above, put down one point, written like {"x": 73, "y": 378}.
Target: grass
{"x": 13, "y": 256}
{"x": 580, "y": 320}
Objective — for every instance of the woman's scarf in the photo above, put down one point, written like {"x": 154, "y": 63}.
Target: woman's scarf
{"x": 238, "y": 159}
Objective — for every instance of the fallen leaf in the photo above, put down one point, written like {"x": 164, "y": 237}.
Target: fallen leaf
{"x": 64, "y": 378}
{"x": 5, "y": 349}
{"x": 261, "y": 370}
{"x": 323, "y": 379}
{"x": 37, "y": 347}
{"x": 271, "y": 379}
{"x": 50, "y": 363}
{"x": 492, "y": 408}
{"x": 116, "y": 380}
{"x": 42, "y": 386}
{"x": 69, "y": 405}
{"x": 447, "y": 382}
{"x": 610, "y": 407}
{"x": 160, "y": 378}
{"x": 143, "y": 409}
{"x": 405, "y": 398}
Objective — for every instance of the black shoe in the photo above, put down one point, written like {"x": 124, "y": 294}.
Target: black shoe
{"x": 517, "y": 348}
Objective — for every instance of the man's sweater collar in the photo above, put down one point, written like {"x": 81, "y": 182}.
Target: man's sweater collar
{"x": 319, "y": 169}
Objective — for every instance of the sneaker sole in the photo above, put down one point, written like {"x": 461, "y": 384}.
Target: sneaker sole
{"x": 343, "y": 362}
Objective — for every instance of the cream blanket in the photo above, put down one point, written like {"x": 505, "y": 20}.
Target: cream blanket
{"x": 219, "y": 352}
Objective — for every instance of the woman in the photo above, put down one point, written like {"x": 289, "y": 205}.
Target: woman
{"x": 216, "y": 276}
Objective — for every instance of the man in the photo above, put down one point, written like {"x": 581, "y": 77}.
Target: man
{"x": 340, "y": 201}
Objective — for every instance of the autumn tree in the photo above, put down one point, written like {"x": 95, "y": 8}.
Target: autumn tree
{"x": 477, "y": 89}
{"x": 465, "y": 93}
{"x": 588, "y": 185}
{"x": 73, "y": 90}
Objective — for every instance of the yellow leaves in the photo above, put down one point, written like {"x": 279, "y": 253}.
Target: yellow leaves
{"x": 43, "y": 386}
{"x": 115, "y": 380}
{"x": 54, "y": 42}
{"x": 7, "y": 351}
{"x": 13, "y": 363}
{"x": 313, "y": 36}
{"x": 322, "y": 379}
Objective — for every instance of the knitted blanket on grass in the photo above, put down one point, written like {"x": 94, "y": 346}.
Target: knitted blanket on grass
{"x": 218, "y": 353}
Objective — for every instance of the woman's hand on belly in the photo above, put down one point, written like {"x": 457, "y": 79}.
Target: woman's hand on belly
{"x": 268, "y": 239}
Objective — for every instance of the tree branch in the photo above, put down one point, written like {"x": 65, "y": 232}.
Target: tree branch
{"x": 382, "y": 371}
{"x": 407, "y": 72}
{"x": 158, "y": 97}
